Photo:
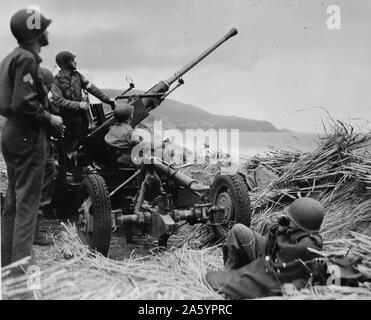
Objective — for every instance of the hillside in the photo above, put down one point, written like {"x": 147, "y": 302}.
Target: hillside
{"x": 179, "y": 115}
{"x": 175, "y": 114}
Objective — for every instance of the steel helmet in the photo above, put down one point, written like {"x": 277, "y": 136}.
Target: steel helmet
{"x": 64, "y": 58}
{"x": 123, "y": 112}
{"x": 306, "y": 213}
{"x": 47, "y": 76}
{"x": 26, "y": 28}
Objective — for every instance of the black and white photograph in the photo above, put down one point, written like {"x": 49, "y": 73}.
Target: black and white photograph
{"x": 185, "y": 154}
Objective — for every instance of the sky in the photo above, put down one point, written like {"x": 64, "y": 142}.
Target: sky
{"x": 284, "y": 66}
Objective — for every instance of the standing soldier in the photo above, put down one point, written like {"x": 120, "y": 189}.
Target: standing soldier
{"x": 22, "y": 102}
{"x": 41, "y": 238}
{"x": 67, "y": 93}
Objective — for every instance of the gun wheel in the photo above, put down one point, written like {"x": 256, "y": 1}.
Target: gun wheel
{"x": 230, "y": 192}
{"x": 94, "y": 224}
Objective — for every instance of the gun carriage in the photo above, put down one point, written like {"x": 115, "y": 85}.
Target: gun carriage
{"x": 154, "y": 197}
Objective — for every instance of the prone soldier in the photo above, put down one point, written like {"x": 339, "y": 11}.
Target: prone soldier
{"x": 257, "y": 266}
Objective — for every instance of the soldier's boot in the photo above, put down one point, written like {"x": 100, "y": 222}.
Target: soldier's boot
{"x": 41, "y": 236}
{"x": 41, "y": 239}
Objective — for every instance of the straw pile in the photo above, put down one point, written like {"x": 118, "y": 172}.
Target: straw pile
{"x": 76, "y": 273}
{"x": 337, "y": 173}
{"x": 71, "y": 271}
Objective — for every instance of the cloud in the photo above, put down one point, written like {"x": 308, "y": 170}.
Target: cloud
{"x": 111, "y": 49}
{"x": 270, "y": 68}
{"x": 122, "y": 34}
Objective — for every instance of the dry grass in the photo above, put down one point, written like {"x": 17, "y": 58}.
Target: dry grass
{"x": 74, "y": 272}
{"x": 337, "y": 173}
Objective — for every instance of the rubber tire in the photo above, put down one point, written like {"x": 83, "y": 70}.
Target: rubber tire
{"x": 239, "y": 193}
{"x": 101, "y": 207}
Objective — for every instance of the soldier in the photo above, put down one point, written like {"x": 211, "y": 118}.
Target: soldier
{"x": 41, "y": 238}
{"x": 257, "y": 266}
{"x": 67, "y": 93}
{"x": 120, "y": 137}
{"x": 22, "y": 102}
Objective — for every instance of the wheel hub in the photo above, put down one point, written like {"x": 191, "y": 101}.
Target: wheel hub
{"x": 225, "y": 200}
{"x": 86, "y": 219}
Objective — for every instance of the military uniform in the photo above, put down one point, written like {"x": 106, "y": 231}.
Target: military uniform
{"x": 48, "y": 182}
{"x": 67, "y": 93}
{"x": 119, "y": 136}
{"x": 22, "y": 101}
{"x": 258, "y": 266}
{"x": 119, "y": 140}
{"x": 41, "y": 238}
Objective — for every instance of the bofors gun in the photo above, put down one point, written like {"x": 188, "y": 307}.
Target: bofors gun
{"x": 144, "y": 103}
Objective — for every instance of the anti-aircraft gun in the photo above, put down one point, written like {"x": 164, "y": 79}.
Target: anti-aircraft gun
{"x": 152, "y": 197}
{"x": 148, "y": 101}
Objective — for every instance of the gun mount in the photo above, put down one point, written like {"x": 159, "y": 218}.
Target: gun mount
{"x": 151, "y": 197}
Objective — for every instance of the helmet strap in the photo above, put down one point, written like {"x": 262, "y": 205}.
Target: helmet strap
{"x": 70, "y": 66}
{"x": 43, "y": 40}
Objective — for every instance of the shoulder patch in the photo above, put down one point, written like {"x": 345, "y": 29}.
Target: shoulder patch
{"x": 28, "y": 78}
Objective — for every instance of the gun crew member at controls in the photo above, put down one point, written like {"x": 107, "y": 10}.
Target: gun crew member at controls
{"x": 122, "y": 138}
{"x": 24, "y": 137}
{"x": 257, "y": 266}
{"x": 67, "y": 93}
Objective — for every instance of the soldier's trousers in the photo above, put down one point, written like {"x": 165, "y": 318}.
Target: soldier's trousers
{"x": 243, "y": 246}
{"x": 48, "y": 181}
{"x": 24, "y": 151}
{"x": 77, "y": 128}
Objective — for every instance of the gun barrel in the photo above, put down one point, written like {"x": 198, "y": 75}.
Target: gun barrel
{"x": 154, "y": 96}
{"x": 163, "y": 86}
{"x": 202, "y": 56}
{"x": 175, "y": 174}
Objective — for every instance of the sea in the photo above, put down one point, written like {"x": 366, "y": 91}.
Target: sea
{"x": 255, "y": 143}
{"x": 259, "y": 143}
{"x": 252, "y": 143}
